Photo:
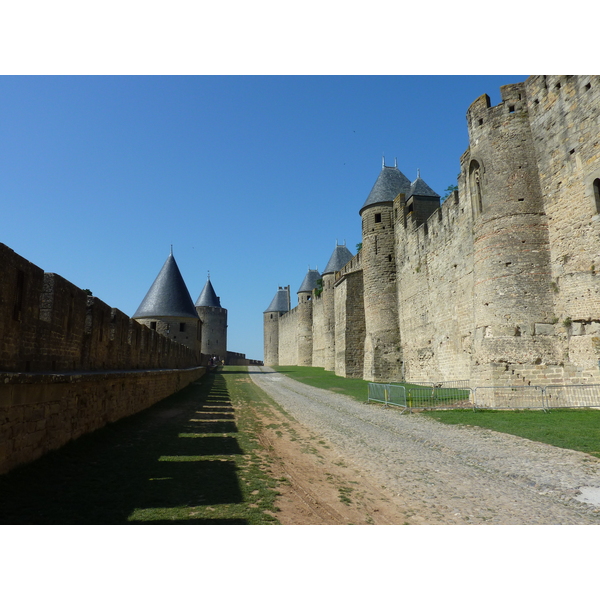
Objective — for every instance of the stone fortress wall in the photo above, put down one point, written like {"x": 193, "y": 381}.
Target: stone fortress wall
{"x": 70, "y": 363}
{"x": 499, "y": 284}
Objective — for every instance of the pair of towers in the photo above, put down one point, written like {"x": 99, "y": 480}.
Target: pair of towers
{"x": 168, "y": 309}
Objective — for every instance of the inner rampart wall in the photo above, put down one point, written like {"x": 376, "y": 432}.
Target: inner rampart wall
{"x": 69, "y": 363}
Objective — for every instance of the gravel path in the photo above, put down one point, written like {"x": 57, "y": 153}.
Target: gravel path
{"x": 447, "y": 474}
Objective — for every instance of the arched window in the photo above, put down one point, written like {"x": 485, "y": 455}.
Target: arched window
{"x": 475, "y": 186}
{"x": 596, "y": 186}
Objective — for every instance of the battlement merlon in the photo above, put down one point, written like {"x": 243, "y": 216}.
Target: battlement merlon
{"x": 481, "y": 114}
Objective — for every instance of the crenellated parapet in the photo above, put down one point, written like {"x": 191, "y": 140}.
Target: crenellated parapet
{"x": 48, "y": 324}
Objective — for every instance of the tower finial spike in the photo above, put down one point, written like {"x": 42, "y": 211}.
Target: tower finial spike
{"x": 382, "y": 161}
{"x": 396, "y": 162}
{"x": 171, "y": 249}
{"x": 208, "y": 276}
{"x": 418, "y": 173}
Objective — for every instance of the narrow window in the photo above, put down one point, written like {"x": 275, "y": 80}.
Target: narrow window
{"x": 377, "y": 217}
{"x": 475, "y": 185}
{"x": 153, "y": 325}
{"x": 182, "y": 327}
{"x": 480, "y": 122}
{"x": 596, "y": 185}
{"x": 511, "y": 108}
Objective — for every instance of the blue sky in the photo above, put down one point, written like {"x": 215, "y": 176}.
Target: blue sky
{"x": 253, "y": 178}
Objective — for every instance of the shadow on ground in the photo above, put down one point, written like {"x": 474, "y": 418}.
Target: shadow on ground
{"x": 163, "y": 458}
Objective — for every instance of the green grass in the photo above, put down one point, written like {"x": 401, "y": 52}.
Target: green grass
{"x": 576, "y": 429}
{"x": 192, "y": 458}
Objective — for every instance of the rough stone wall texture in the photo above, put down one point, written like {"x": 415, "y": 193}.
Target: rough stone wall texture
{"x": 435, "y": 291}
{"x": 349, "y": 325}
{"x": 500, "y": 284}
{"x": 512, "y": 279}
{"x": 69, "y": 363}
{"x": 323, "y": 327}
{"x": 42, "y": 412}
{"x": 288, "y": 338}
{"x": 237, "y": 358}
{"x": 383, "y": 354}
{"x": 271, "y": 338}
{"x": 214, "y": 330}
{"x": 317, "y": 327}
{"x": 304, "y": 332}
{"x": 47, "y": 324}
{"x": 565, "y": 121}
{"x": 181, "y": 330}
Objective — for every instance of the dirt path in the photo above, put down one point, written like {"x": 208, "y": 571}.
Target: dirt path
{"x": 346, "y": 462}
{"x": 319, "y": 485}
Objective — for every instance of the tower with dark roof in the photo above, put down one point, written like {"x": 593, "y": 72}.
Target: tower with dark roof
{"x": 421, "y": 201}
{"x": 383, "y": 358}
{"x": 326, "y": 336}
{"x": 168, "y": 309}
{"x": 214, "y": 322}
{"x": 305, "y": 317}
{"x": 278, "y": 307}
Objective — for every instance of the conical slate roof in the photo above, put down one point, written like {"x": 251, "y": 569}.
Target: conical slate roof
{"x": 419, "y": 188}
{"x": 340, "y": 257}
{"x": 389, "y": 184}
{"x": 207, "y": 296}
{"x": 168, "y": 296}
{"x": 310, "y": 281}
{"x": 281, "y": 301}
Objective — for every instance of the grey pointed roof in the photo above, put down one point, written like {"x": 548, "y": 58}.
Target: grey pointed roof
{"x": 419, "y": 188}
{"x": 389, "y": 184}
{"x": 340, "y": 257}
{"x": 310, "y": 281}
{"x": 281, "y": 301}
{"x": 168, "y": 296}
{"x": 207, "y": 296}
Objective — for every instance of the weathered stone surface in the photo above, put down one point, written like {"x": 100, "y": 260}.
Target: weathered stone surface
{"x": 499, "y": 285}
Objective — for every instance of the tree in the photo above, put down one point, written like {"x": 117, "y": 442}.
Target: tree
{"x": 449, "y": 191}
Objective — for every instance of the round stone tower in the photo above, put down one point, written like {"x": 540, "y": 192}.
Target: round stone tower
{"x": 305, "y": 318}
{"x": 168, "y": 309}
{"x": 279, "y": 306}
{"x": 383, "y": 356}
{"x": 513, "y": 302}
{"x": 340, "y": 257}
{"x": 214, "y": 322}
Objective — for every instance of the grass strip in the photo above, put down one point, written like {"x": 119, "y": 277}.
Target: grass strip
{"x": 192, "y": 458}
{"x": 575, "y": 429}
